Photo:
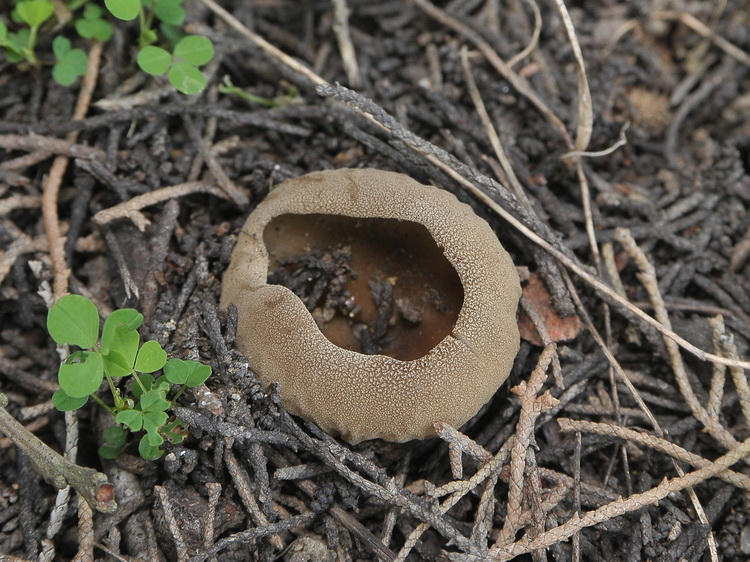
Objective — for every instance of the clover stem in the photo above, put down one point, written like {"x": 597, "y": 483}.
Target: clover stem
{"x": 176, "y": 396}
{"x": 142, "y": 25}
{"x": 115, "y": 394}
{"x": 30, "y": 56}
{"x": 150, "y": 17}
{"x": 145, "y": 21}
{"x": 103, "y": 404}
{"x": 138, "y": 380}
{"x": 28, "y": 51}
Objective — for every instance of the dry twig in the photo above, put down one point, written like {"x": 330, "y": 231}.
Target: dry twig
{"x": 131, "y": 208}
{"x": 59, "y": 165}
{"x": 242, "y": 484}
{"x": 652, "y": 441}
{"x": 623, "y": 506}
{"x": 647, "y": 276}
{"x": 533, "y": 404}
{"x": 519, "y": 83}
{"x": 344, "y": 39}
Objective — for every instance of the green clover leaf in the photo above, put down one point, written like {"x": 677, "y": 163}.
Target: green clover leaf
{"x": 92, "y": 25}
{"x": 170, "y": 11}
{"x": 65, "y": 403}
{"x": 174, "y": 431}
{"x": 132, "y": 419}
{"x": 154, "y": 401}
{"x": 124, "y": 9}
{"x": 195, "y": 50}
{"x": 151, "y": 357}
{"x": 124, "y": 317}
{"x": 82, "y": 374}
{"x": 70, "y": 65}
{"x": 34, "y": 12}
{"x": 114, "y": 442}
{"x": 16, "y": 45}
{"x": 115, "y": 435}
{"x": 190, "y": 373}
{"x": 186, "y": 78}
{"x": 73, "y": 320}
{"x": 154, "y": 60}
{"x": 60, "y": 46}
{"x": 148, "y": 451}
{"x": 123, "y": 349}
{"x": 152, "y": 423}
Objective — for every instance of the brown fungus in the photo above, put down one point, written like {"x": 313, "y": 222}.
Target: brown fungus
{"x": 381, "y": 261}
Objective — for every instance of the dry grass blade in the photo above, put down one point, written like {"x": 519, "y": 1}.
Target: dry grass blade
{"x": 652, "y": 441}
{"x": 534, "y": 41}
{"x": 261, "y": 43}
{"x": 647, "y": 277}
{"x": 54, "y": 179}
{"x": 131, "y": 208}
{"x": 702, "y": 29}
{"x": 344, "y": 39}
{"x": 623, "y": 506}
{"x": 585, "y": 109}
{"x": 728, "y": 348}
{"x": 491, "y": 132}
{"x": 520, "y": 84}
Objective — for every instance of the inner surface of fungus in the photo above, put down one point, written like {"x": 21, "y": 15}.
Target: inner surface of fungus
{"x": 372, "y": 285}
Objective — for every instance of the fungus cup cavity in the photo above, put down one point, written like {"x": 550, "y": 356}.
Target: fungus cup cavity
{"x": 379, "y": 304}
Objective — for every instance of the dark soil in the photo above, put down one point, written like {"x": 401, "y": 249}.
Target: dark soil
{"x": 251, "y": 482}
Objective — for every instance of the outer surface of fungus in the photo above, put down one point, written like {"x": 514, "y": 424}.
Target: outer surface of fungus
{"x": 362, "y": 396}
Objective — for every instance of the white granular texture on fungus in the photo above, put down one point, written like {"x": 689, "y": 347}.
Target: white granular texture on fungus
{"x": 361, "y": 396}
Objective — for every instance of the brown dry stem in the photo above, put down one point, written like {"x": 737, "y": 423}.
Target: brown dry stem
{"x": 489, "y": 128}
{"x": 623, "y": 506}
{"x": 346, "y": 45}
{"x": 519, "y": 83}
{"x": 244, "y": 489}
{"x": 85, "y": 533}
{"x": 261, "y": 43}
{"x": 533, "y": 404}
{"x": 652, "y": 441}
{"x": 647, "y": 276}
{"x": 131, "y": 209}
{"x": 93, "y": 486}
{"x": 52, "y": 184}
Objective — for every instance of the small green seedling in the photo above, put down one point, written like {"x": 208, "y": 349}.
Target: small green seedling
{"x": 71, "y": 63}
{"x": 92, "y": 25}
{"x": 117, "y": 353}
{"x": 21, "y": 45}
{"x": 180, "y": 66}
{"x": 291, "y": 97}
{"x": 30, "y": 17}
{"x": 190, "y": 52}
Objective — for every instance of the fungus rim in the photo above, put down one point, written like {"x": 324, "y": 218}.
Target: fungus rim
{"x": 484, "y": 339}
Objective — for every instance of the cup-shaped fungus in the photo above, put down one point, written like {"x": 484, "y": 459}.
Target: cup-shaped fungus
{"x": 379, "y": 304}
